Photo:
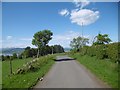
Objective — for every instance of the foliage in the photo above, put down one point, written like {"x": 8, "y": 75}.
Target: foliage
{"x": 41, "y": 39}
{"x": 58, "y": 49}
{"x": 104, "y": 69}
{"x": 28, "y": 79}
{"x": 84, "y": 50}
{"x": 2, "y": 58}
{"x": 78, "y": 42}
{"x": 112, "y": 51}
{"x": 102, "y": 39}
{"x": 28, "y": 52}
{"x": 91, "y": 51}
{"x": 14, "y": 56}
{"x": 102, "y": 51}
{"x": 7, "y": 57}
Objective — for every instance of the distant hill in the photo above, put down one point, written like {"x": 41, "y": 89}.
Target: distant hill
{"x": 10, "y": 51}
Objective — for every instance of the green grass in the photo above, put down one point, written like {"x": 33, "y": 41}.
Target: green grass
{"x": 104, "y": 69}
{"x": 17, "y": 63}
{"x": 0, "y": 74}
{"x": 28, "y": 79}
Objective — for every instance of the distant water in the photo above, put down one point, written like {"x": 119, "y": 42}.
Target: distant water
{"x": 5, "y": 54}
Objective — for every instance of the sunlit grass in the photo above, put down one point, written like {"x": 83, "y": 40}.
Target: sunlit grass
{"x": 28, "y": 79}
{"x": 104, "y": 69}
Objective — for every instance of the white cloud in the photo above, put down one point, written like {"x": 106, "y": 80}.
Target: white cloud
{"x": 64, "y": 39}
{"x": 16, "y": 42}
{"x": 64, "y": 12}
{"x": 9, "y": 37}
{"x": 81, "y": 3}
{"x": 84, "y": 16}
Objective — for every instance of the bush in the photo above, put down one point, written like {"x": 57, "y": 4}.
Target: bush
{"x": 101, "y": 51}
{"x": 112, "y": 52}
{"x": 34, "y": 65}
{"x": 91, "y": 51}
{"x": 84, "y": 50}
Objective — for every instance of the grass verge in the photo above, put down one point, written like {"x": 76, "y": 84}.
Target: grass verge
{"x": 106, "y": 70}
{"x": 28, "y": 79}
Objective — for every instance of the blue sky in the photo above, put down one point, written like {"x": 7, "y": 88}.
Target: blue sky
{"x": 21, "y": 20}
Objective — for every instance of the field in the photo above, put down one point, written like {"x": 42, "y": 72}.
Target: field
{"x": 0, "y": 74}
{"x": 103, "y": 69}
{"x": 28, "y": 79}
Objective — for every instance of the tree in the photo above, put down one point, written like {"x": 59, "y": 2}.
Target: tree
{"x": 2, "y": 58}
{"x": 78, "y": 42}
{"x": 58, "y": 49}
{"x": 7, "y": 57}
{"x": 27, "y": 53}
{"x": 14, "y": 56}
{"x": 102, "y": 39}
{"x": 41, "y": 39}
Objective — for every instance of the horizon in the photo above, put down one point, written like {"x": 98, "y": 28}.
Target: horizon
{"x": 21, "y": 20}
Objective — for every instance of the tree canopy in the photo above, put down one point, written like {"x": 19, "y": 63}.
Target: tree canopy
{"x": 78, "y": 42}
{"x": 42, "y": 38}
{"x": 102, "y": 39}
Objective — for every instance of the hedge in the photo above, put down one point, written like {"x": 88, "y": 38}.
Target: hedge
{"x": 110, "y": 51}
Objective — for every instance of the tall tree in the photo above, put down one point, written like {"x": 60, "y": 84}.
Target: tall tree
{"x": 102, "y": 39}
{"x": 41, "y": 39}
{"x": 78, "y": 42}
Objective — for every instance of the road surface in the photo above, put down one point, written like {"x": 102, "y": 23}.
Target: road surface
{"x": 68, "y": 73}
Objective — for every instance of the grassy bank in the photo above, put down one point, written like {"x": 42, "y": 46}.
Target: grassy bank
{"x": 29, "y": 79}
{"x": 103, "y": 69}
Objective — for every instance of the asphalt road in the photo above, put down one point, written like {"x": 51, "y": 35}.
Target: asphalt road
{"x": 68, "y": 73}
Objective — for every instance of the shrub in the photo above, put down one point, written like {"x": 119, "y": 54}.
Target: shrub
{"x": 34, "y": 65}
{"x": 112, "y": 52}
{"x": 101, "y": 51}
{"x": 84, "y": 50}
{"x": 91, "y": 51}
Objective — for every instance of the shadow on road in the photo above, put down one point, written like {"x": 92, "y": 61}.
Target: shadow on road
{"x": 67, "y": 59}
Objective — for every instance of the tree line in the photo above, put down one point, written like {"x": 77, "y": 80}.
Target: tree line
{"x": 101, "y": 47}
{"x": 40, "y": 40}
{"x": 79, "y": 42}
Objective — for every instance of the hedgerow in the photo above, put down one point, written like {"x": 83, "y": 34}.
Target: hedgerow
{"x": 110, "y": 51}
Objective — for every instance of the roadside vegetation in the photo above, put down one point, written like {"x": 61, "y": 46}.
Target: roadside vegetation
{"x": 26, "y": 69}
{"x": 24, "y": 75}
{"x": 102, "y": 58}
{"x": 105, "y": 70}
